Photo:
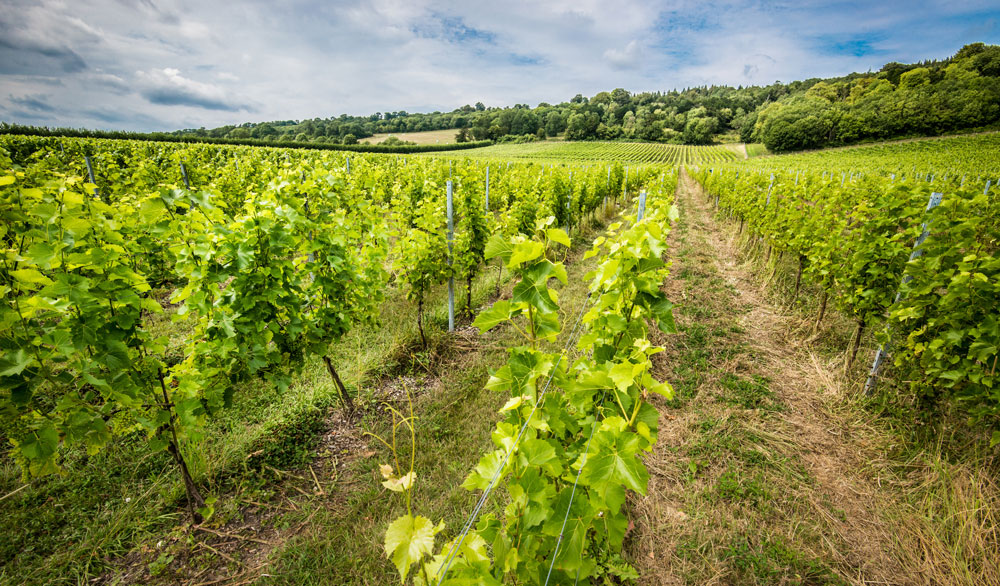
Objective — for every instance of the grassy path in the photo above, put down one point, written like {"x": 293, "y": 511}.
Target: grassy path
{"x": 765, "y": 472}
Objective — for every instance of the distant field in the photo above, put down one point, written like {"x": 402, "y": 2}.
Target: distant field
{"x": 942, "y": 156}
{"x": 428, "y": 137}
{"x": 636, "y": 152}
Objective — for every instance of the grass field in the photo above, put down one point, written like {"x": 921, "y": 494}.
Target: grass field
{"x": 428, "y": 137}
{"x": 626, "y": 152}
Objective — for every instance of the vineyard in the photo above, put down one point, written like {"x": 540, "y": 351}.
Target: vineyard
{"x": 910, "y": 250}
{"x": 235, "y": 364}
{"x": 625, "y": 152}
{"x": 970, "y": 157}
{"x": 263, "y": 260}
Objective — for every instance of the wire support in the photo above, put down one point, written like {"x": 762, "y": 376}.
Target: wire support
{"x": 572, "y": 496}
{"x": 503, "y": 463}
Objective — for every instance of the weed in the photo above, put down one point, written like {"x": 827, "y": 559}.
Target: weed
{"x": 753, "y": 393}
{"x": 735, "y": 487}
{"x": 771, "y": 561}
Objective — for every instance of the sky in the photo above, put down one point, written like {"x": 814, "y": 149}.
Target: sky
{"x": 168, "y": 64}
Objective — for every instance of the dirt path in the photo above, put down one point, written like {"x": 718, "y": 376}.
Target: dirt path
{"x": 760, "y": 476}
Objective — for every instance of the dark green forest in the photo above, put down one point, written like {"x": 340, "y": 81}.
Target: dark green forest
{"x": 927, "y": 98}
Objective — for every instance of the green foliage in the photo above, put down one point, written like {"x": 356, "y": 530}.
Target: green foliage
{"x": 569, "y": 452}
{"x": 602, "y": 152}
{"x": 900, "y": 100}
{"x": 76, "y": 351}
{"x": 421, "y": 251}
{"x": 948, "y": 306}
{"x": 854, "y": 234}
{"x": 265, "y": 262}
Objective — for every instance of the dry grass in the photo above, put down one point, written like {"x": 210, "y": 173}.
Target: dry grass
{"x": 426, "y": 137}
{"x": 770, "y": 470}
{"x": 738, "y": 148}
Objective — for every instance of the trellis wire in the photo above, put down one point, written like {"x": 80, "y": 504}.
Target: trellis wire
{"x": 496, "y": 475}
{"x": 572, "y": 496}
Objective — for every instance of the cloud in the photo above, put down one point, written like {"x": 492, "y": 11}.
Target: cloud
{"x": 167, "y": 87}
{"x": 107, "y": 82}
{"x": 37, "y": 38}
{"x": 35, "y": 102}
{"x": 32, "y": 57}
{"x": 119, "y": 118}
{"x": 628, "y": 58}
{"x": 452, "y": 29}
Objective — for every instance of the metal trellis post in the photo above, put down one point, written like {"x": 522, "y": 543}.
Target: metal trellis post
{"x": 883, "y": 352}
{"x": 451, "y": 260}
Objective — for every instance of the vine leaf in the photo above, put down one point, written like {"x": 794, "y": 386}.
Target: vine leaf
{"x": 409, "y": 539}
{"x": 499, "y": 246}
{"x": 395, "y": 484}
{"x": 558, "y": 235}
{"x": 481, "y": 476}
{"x": 613, "y": 464}
{"x": 500, "y": 312}
{"x": 533, "y": 288}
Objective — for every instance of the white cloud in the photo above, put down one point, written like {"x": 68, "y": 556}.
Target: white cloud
{"x": 627, "y": 58}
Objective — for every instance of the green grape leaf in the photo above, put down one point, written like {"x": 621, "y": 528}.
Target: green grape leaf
{"x": 533, "y": 288}
{"x": 613, "y": 463}
{"x": 15, "y": 362}
{"x": 663, "y": 311}
{"x": 525, "y": 252}
{"x": 500, "y": 312}
{"x": 30, "y": 276}
{"x": 499, "y": 246}
{"x": 488, "y": 465}
{"x": 152, "y": 209}
{"x": 41, "y": 444}
{"x": 624, "y": 374}
{"x": 558, "y": 235}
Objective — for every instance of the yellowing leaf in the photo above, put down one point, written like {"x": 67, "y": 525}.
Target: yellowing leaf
{"x": 512, "y": 403}
{"x": 405, "y": 482}
{"x": 407, "y": 540}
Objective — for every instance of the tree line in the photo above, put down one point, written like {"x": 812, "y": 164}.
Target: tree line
{"x": 388, "y": 146}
